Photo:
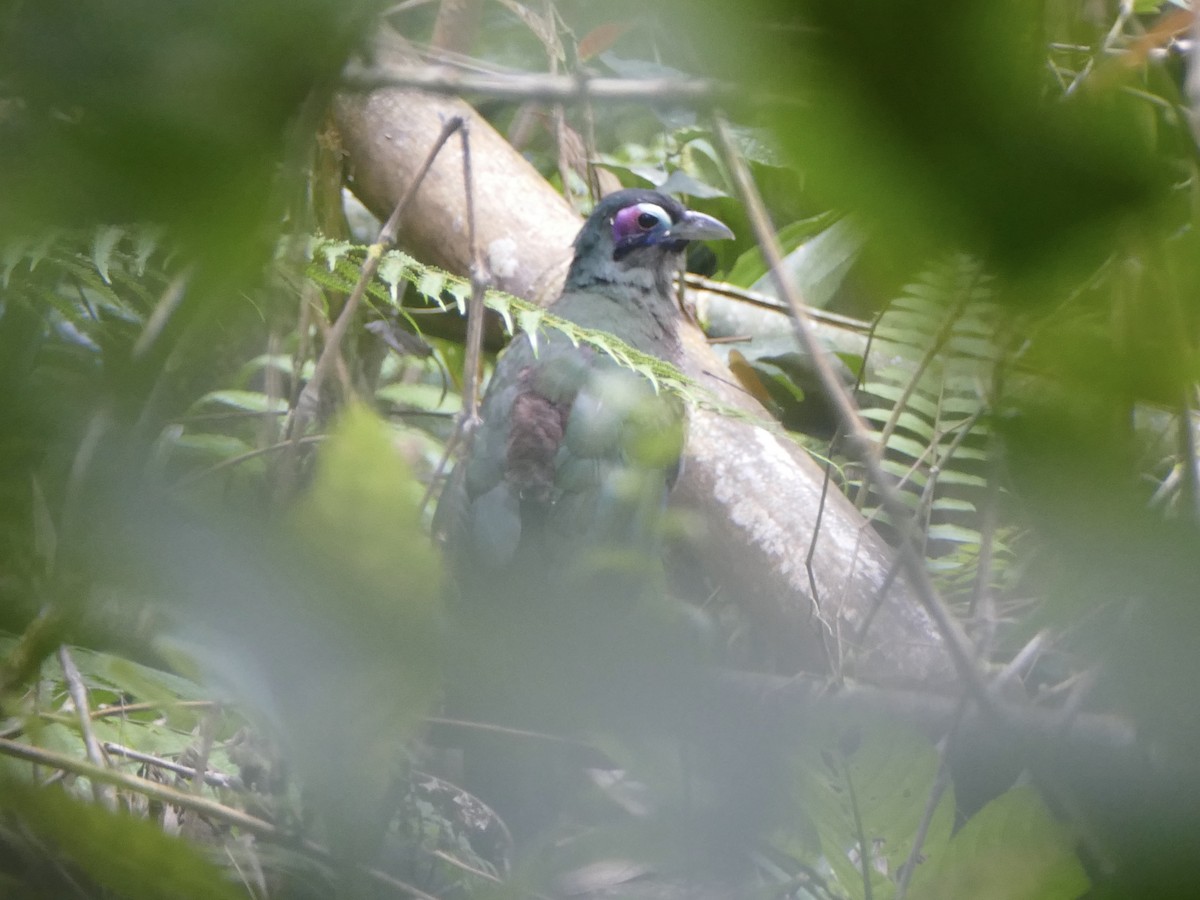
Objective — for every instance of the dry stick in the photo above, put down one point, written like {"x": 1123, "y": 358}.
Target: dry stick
{"x": 827, "y": 630}
{"x": 858, "y": 439}
{"x": 810, "y": 570}
{"x": 513, "y": 732}
{"x": 208, "y": 729}
{"x": 865, "y": 851}
{"x": 216, "y": 779}
{"x": 103, "y": 793}
{"x": 473, "y": 349}
{"x": 231, "y": 461}
{"x": 126, "y": 708}
{"x": 941, "y": 781}
{"x": 184, "y": 800}
{"x": 475, "y": 312}
{"x": 767, "y": 302}
{"x": 306, "y": 406}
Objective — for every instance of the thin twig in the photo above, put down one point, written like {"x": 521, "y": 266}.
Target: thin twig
{"x": 126, "y": 708}
{"x": 858, "y": 438}
{"x": 216, "y": 779}
{"x": 231, "y": 461}
{"x": 766, "y": 301}
{"x": 940, "y": 782}
{"x": 490, "y": 728}
{"x": 473, "y": 349}
{"x": 866, "y": 848}
{"x": 459, "y": 864}
{"x": 835, "y": 661}
{"x": 475, "y": 312}
{"x": 103, "y": 793}
{"x": 208, "y": 729}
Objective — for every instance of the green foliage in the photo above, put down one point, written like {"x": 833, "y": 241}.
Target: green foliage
{"x": 1026, "y": 172}
{"x": 866, "y": 788}
{"x": 1011, "y": 849}
{"x": 343, "y": 261}
{"x": 139, "y": 112}
{"x": 930, "y": 383}
{"x": 751, "y": 267}
{"x": 148, "y": 863}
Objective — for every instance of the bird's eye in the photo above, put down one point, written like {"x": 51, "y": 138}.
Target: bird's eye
{"x": 640, "y": 222}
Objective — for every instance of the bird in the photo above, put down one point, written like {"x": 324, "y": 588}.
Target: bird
{"x": 572, "y": 446}
{"x": 552, "y": 522}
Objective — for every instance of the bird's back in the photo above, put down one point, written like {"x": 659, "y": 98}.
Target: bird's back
{"x": 570, "y": 466}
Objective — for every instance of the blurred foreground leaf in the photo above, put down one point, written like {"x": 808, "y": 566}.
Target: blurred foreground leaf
{"x": 1012, "y": 849}
{"x": 128, "y": 856}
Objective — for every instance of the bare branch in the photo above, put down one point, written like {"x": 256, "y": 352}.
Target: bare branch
{"x": 103, "y": 793}
{"x": 216, "y": 779}
{"x": 547, "y": 88}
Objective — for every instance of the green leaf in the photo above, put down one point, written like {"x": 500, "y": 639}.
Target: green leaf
{"x": 953, "y": 504}
{"x": 907, "y": 420}
{"x": 103, "y": 245}
{"x": 680, "y": 182}
{"x": 394, "y": 270}
{"x": 213, "y": 445}
{"x": 428, "y": 397}
{"x": 430, "y": 284}
{"x": 247, "y": 401}
{"x": 750, "y": 266}
{"x": 370, "y": 589}
{"x": 147, "y": 241}
{"x": 819, "y": 266}
{"x": 461, "y": 292}
{"x": 528, "y": 320}
{"x": 871, "y": 782}
{"x": 946, "y": 531}
{"x": 142, "y": 682}
{"x": 1012, "y": 849}
{"x": 333, "y": 251}
{"x": 148, "y": 863}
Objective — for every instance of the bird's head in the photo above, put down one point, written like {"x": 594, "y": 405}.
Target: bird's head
{"x": 633, "y": 230}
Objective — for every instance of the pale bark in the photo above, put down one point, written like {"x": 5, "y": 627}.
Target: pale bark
{"x": 757, "y": 493}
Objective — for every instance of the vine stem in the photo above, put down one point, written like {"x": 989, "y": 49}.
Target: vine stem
{"x": 858, "y": 438}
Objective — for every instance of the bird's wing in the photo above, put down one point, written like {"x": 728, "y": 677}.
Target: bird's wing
{"x": 573, "y": 451}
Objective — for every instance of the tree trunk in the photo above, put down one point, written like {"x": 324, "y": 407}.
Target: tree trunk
{"x": 757, "y": 492}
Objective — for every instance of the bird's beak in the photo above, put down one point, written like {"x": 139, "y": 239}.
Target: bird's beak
{"x": 696, "y": 226}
